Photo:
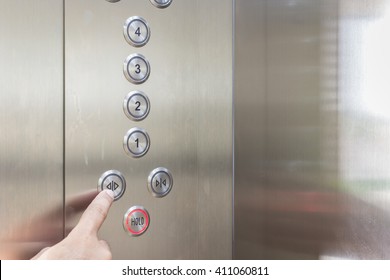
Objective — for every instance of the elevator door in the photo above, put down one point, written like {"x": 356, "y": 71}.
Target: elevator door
{"x": 148, "y": 114}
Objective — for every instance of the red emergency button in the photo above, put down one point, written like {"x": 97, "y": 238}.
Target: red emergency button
{"x": 136, "y": 220}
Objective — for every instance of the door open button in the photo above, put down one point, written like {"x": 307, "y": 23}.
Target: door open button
{"x": 112, "y": 180}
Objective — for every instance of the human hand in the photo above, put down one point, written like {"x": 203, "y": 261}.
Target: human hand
{"x": 83, "y": 242}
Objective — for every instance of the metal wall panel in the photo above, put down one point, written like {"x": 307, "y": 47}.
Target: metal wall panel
{"x": 190, "y": 122}
{"x": 31, "y": 117}
{"x": 311, "y": 129}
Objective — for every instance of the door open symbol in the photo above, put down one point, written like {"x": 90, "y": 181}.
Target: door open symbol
{"x": 112, "y": 186}
{"x": 161, "y": 182}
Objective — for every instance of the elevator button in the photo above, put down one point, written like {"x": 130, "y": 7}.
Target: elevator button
{"x": 136, "y": 31}
{"x": 161, "y": 3}
{"x": 136, "y": 105}
{"x": 160, "y": 182}
{"x": 136, "y": 220}
{"x": 112, "y": 180}
{"x": 136, "y": 142}
{"x": 136, "y": 68}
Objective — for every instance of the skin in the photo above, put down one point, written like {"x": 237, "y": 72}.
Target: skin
{"x": 83, "y": 242}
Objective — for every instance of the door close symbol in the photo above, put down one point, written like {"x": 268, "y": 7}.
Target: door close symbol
{"x": 161, "y": 182}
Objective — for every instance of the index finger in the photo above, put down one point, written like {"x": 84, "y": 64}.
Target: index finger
{"x": 95, "y": 214}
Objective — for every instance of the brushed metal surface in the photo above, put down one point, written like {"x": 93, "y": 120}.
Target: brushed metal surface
{"x": 31, "y": 117}
{"x": 312, "y": 163}
{"x": 189, "y": 124}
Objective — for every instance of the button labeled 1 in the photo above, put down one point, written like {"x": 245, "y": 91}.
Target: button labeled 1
{"x": 136, "y": 68}
{"x": 136, "y": 220}
{"x": 136, "y": 142}
{"x": 112, "y": 180}
{"x": 160, "y": 182}
{"x": 161, "y": 3}
{"x": 136, "y": 31}
{"x": 136, "y": 105}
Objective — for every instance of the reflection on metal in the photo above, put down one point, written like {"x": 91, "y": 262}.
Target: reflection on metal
{"x": 313, "y": 173}
{"x": 31, "y": 118}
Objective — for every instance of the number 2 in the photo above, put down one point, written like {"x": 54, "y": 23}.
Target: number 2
{"x": 138, "y": 105}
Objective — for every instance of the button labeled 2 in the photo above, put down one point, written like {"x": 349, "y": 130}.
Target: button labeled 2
{"x": 136, "y": 68}
{"x": 136, "y": 31}
{"x": 136, "y": 105}
{"x": 136, "y": 142}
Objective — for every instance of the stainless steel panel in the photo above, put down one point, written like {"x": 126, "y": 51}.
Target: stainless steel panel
{"x": 31, "y": 117}
{"x": 189, "y": 124}
{"x": 311, "y": 129}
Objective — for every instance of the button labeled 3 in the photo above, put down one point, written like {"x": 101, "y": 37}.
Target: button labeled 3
{"x": 161, "y": 3}
{"x": 136, "y": 31}
{"x": 136, "y": 142}
{"x": 113, "y": 180}
{"x": 160, "y": 182}
{"x": 136, "y": 68}
{"x": 136, "y": 220}
{"x": 136, "y": 105}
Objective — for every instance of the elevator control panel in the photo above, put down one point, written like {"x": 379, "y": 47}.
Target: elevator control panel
{"x": 148, "y": 110}
{"x": 136, "y": 142}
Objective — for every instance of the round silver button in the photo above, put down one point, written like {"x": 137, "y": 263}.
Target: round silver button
{"x": 136, "y": 142}
{"x": 113, "y": 180}
{"x": 113, "y": 1}
{"x": 136, "y": 68}
{"x": 161, "y": 3}
{"x": 136, "y": 105}
{"x": 136, "y": 31}
{"x": 136, "y": 220}
{"x": 160, "y": 182}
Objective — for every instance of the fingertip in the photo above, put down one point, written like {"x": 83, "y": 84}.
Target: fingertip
{"x": 110, "y": 193}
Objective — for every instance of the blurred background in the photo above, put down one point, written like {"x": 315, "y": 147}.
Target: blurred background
{"x": 312, "y": 129}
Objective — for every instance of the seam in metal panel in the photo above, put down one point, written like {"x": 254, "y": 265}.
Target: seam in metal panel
{"x": 233, "y": 117}
{"x": 63, "y": 120}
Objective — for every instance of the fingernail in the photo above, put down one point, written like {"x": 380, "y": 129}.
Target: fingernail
{"x": 110, "y": 193}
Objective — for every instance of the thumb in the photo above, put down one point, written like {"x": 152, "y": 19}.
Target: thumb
{"x": 95, "y": 214}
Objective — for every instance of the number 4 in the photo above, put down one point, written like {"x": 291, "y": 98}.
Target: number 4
{"x": 138, "y": 32}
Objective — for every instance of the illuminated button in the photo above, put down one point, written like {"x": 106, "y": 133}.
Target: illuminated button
{"x": 160, "y": 182}
{"x": 136, "y": 31}
{"x": 136, "y": 142}
{"x": 136, "y": 68}
{"x": 136, "y": 220}
{"x": 112, "y": 180}
{"x": 136, "y": 105}
{"x": 161, "y": 3}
